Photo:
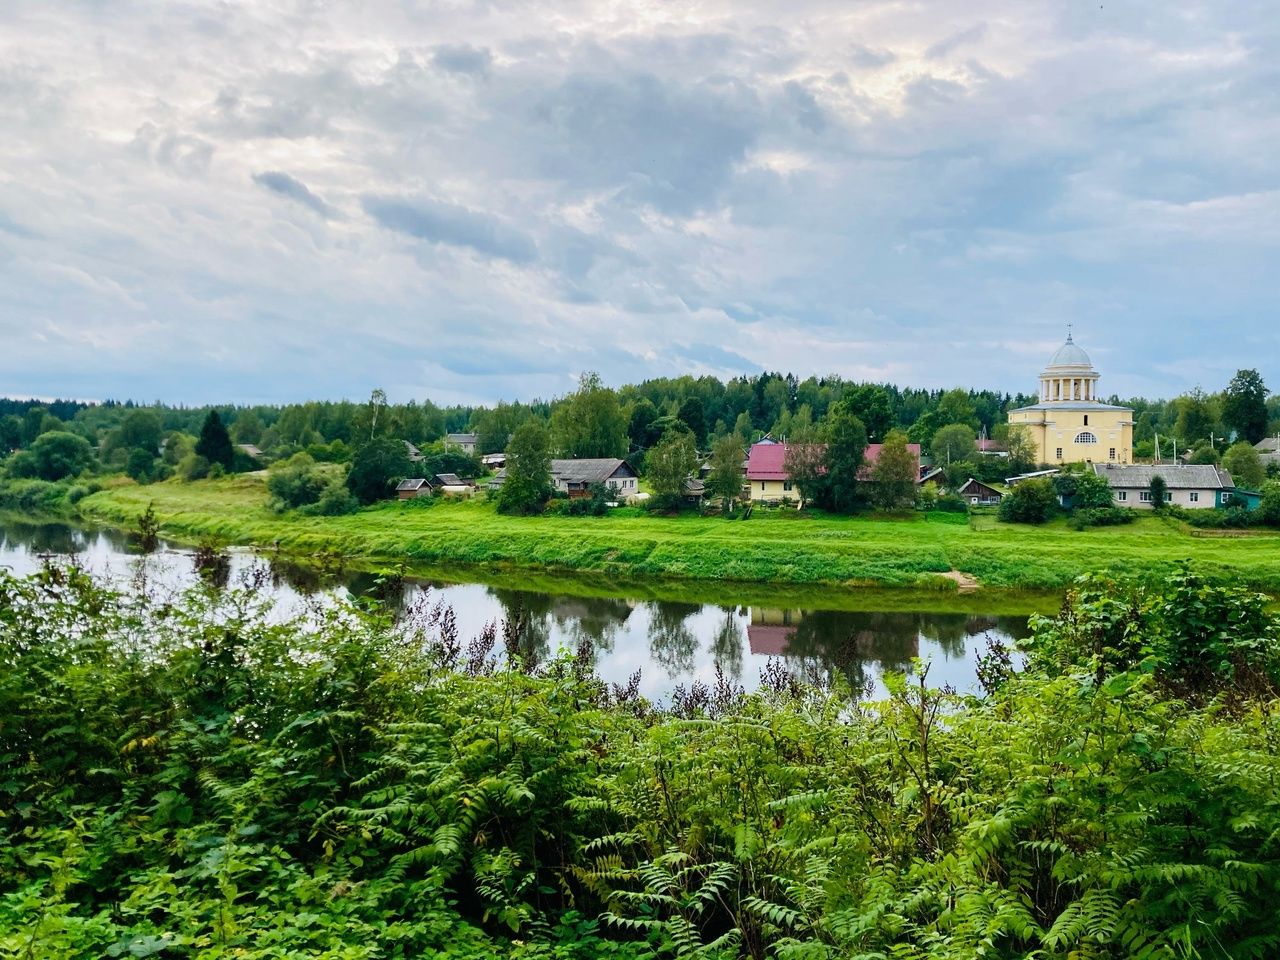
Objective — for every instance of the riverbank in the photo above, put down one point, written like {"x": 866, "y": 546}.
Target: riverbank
{"x": 774, "y": 547}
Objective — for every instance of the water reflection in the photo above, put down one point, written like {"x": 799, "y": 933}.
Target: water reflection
{"x": 669, "y": 642}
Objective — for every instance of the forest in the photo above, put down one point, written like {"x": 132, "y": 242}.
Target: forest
{"x": 189, "y": 776}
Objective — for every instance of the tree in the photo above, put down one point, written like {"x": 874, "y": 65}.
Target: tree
{"x": 806, "y": 465}
{"x": 247, "y": 428}
{"x": 59, "y": 454}
{"x": 1205, "y": 454}
{"x": 1269, "y": 507}
{"x": 528, "y": 480}
{"x": 1092, "y": 492}
{"x": 846, "y": 447}
{"x": 894, "y": 473}
{"x": 215, "y": 443}
{"x": 953, "y": 443}
{"x": 1032, "y": 501}
{"x": 1195, "y": 417}
{"x": 376, "y": 469}
{"x": 140, "y": 464}
{"x": 295, "y": 482}
{"x": 10, "y": 434}
{"x": 640, "y": 424}
{"x": 874, "y": 407}
{"x": 591, "y": 422}
{"x": 372, "y": 421}
{"x": 669, "y": 464}
{"x": 725, "y": 477}
{"x": 495, "y": 428}
{"x": 1158, "y": 490}
{"x": 141, "y": 430}
{"x": 1244, "y": 406}
{"x": 1245, "y": 465}
{"x": 1016, "y": 439}
{"x": 693, "y": 416}
{"x": 956, "y": 406}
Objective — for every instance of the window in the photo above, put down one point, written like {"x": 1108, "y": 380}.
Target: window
{"x": 1059, "y": 453}
{"x": 762, "y": 486}
{"x": 1086, "y": 419}
{"x": 1113, "y": 453}
{"x": 1194, "y": 496}
{"x": 786, "y": 486}
{"x": 1226, "y": 499}
{"x": 1145, "y": 496}
{"x": 1122, "y": 495}
{"x": 1086, "y": 437}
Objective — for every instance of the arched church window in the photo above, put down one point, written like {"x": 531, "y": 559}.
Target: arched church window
{"x": 1086, "y": 437}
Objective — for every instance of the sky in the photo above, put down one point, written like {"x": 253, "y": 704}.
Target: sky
{"x": 278, "y": 200}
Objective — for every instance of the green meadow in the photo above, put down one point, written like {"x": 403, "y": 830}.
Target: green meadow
{"x": 773, "y": 546}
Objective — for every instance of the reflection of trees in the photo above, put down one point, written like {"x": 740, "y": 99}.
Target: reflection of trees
{"x": 526, "y": 630}
{"x": 386, "y": 588}
{"x": 726, "y": 644}
{"x": 672, "y": 644}
{"x": 594, "y": 619}
{"x": 42, "y": 537}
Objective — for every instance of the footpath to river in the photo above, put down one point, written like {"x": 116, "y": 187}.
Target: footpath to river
{"x": 936, "y": 551}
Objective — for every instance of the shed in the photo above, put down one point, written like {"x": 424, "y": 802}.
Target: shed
{"x": 980, "y": 494}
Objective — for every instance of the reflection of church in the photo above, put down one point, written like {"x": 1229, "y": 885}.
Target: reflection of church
{"x": 835, "y": 636}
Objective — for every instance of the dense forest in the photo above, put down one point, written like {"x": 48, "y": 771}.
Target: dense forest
{"x": 781, "y": 405}
{"x": 192, "y": 777}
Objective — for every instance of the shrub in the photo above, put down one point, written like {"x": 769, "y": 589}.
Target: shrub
{"x": 1102, "y": 517}
{"x": 295, "y": 482}
{"x": 1032, "y": 501}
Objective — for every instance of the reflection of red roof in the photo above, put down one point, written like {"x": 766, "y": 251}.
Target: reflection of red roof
{"x": 765, "y": 461}
{"x": 768, "y": 640}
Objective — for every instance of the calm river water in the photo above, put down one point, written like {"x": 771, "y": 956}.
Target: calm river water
{"x": 669, "y": 642}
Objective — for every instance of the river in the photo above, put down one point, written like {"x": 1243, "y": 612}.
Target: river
{"x": 671, "y": 642}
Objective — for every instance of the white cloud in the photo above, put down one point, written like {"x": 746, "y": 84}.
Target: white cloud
{"x": 289, "y": 199}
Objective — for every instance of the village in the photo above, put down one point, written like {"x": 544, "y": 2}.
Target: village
{"x": 1069, "y": 431}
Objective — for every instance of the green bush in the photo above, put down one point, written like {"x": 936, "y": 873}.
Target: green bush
{"x": 343, "y": 786}
{"x": 1032, "y": 501}
{"x": 1102, "y": 517}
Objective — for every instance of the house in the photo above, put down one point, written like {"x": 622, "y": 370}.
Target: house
{"x": 451, "y": 485}
{"x": 250, "y": 450}
{"x": 1070, "y": 424}
{"x": 575, "y": 477}
{"x": 1194, "y": 486}
{"x": 1268, "y": 450}
{"x": 768, "y": 481}
{"x": 990, "y": 448}
{"x": 445, "y": 484}
{"x": 466, "y": 442}
{"x": 415, "y": 455}
{"x": 694, "y": 490}
{"x": 980, "y": 494}
{"x": 494, "y": 461}
{"x": 767, "y": 477}
{"x": 412, "y": 488}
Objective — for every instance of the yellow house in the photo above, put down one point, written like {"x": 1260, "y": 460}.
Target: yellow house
{"x": 1069, "y": 424}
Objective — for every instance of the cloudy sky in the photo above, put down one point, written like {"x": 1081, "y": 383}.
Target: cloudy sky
{"x": 467, "y": 200}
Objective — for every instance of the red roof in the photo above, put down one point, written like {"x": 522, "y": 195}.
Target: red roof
{"x": 766, "y": 460}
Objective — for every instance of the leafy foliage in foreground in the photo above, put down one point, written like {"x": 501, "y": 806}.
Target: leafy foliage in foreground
{"x": 182, "y": 779}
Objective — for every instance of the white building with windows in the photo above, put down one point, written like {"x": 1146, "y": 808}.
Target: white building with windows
{"x": 1070, "y": 424}
{"x": 1194, "y": 486}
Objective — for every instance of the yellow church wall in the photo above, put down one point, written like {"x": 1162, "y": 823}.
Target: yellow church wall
{"x": 1056, "y": 430}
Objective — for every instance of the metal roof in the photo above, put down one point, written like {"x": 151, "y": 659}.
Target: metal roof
{"x": 1177, "y": 476}
{"x": 1070, "y": 355}
{"x": 589, "y": 470}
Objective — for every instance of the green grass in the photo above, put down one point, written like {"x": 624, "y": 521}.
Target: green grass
{"x": 774, "y": 547}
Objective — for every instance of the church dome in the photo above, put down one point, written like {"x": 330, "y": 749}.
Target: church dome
{"x": 1070, "y": 355}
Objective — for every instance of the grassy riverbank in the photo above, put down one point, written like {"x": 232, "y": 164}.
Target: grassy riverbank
{"x": 773, "y": 546}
